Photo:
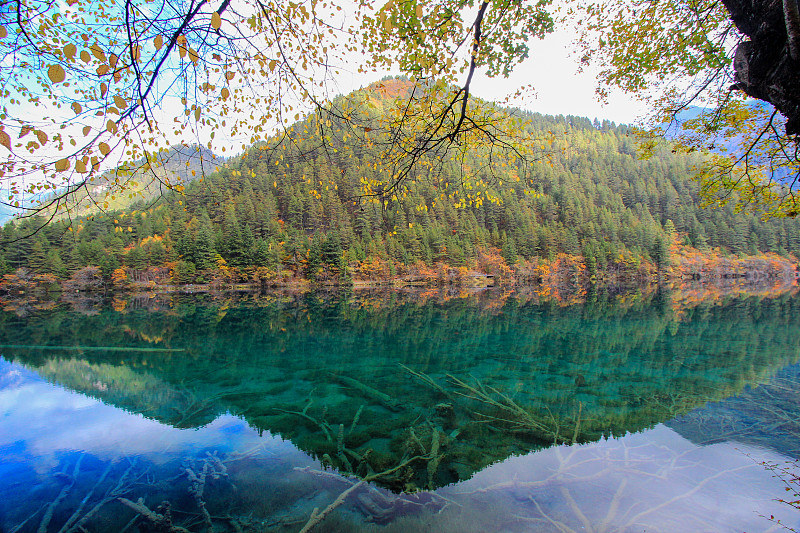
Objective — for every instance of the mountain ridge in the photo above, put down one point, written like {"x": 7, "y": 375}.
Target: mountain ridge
{"x": 295, "y": 208}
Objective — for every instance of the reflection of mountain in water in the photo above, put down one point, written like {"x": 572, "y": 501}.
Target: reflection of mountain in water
{"x": 765, "y": 415}
{"x": 443, "y": 388}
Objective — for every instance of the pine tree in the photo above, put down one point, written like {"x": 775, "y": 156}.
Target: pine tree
{"x": 37, "y": 259}
{"x": 509, "y": 250}
{"x": 136, "y": 258}
{"x": 204, "y": 251}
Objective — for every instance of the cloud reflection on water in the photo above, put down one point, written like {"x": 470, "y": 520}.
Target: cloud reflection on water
{"x": 655, "y": 480}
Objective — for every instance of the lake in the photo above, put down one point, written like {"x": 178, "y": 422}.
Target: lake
{"x": 398, "y": 411}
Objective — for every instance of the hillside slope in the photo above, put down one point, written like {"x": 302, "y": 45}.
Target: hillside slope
{"x": 296, "y": 208}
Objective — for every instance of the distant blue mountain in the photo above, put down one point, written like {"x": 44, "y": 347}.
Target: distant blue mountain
{"x": 8, "y": 212}
{"x": 728, "y": 145}
{"x": 182, "y": 162}
{"x": 692, "y": 112}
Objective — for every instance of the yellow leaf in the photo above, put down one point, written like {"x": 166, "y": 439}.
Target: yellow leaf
{"x": 62, "y": 165}
{"x": 86, "y": 130}
{"x": 85, "y": 57}
{"x": 111, "y": 126}
{"x": 216, "y": 20}
{"x": 102, "y": 70}
{"x": 225, "y": 93}
{"x": 103, "y": 89}
{"x": 120, "y": 101}
{"x": 3, "y": 32}
{"x": 80, "y": 167}
{"x": 272, "y": 65}
{"x": 98, "y": 52}
{"x": 104, "y": 148}
{"x": 158, "y": 42}
{"x": 24, "y": 131}
{"x": 77, "y": 108}
{"x": 5, "y": 140}
{"x": 193, "y": 55}
{"x": 197, "y": 114}
{"x": 229, "y": 75}
{"x": 70, "y": 50}
{"x": 56, "y": 73}
{"x": 130, "y": 229}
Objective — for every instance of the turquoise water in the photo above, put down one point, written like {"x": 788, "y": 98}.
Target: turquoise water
{"x": 393, "y": 411}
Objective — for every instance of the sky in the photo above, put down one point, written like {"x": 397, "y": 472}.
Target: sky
{"x": 553, "y": 73}
{"x": 560, "y": 89}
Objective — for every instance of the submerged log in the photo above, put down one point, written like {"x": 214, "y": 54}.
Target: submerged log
{"x": 159, "y": 522}
{"x": 92, "y": 348}
{"x": 368, "y": 391}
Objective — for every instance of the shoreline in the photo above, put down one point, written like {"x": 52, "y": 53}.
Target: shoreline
{"x": 563, "y": 273}
{"x": 686, "y": 288}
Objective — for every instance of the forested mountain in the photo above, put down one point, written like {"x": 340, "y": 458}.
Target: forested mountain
{"x": 294, "y": 208}
{"x": 178, "y": 165}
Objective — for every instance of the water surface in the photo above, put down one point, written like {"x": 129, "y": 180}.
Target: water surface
{"x": 399, "y": 412}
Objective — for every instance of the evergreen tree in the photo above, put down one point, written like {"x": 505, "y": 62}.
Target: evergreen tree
{"x": 508, "y": 250}
{"x": 204, "y": 251}
{"x": 37, "y": 260}
{"x": 136, "y": 258}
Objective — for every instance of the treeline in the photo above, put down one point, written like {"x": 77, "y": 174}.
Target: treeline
{"x": 294, "y": 209}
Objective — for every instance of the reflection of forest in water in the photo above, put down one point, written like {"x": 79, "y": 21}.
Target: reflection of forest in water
{"x": 409, "y": 392}
{"x": 440, "y": 385}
